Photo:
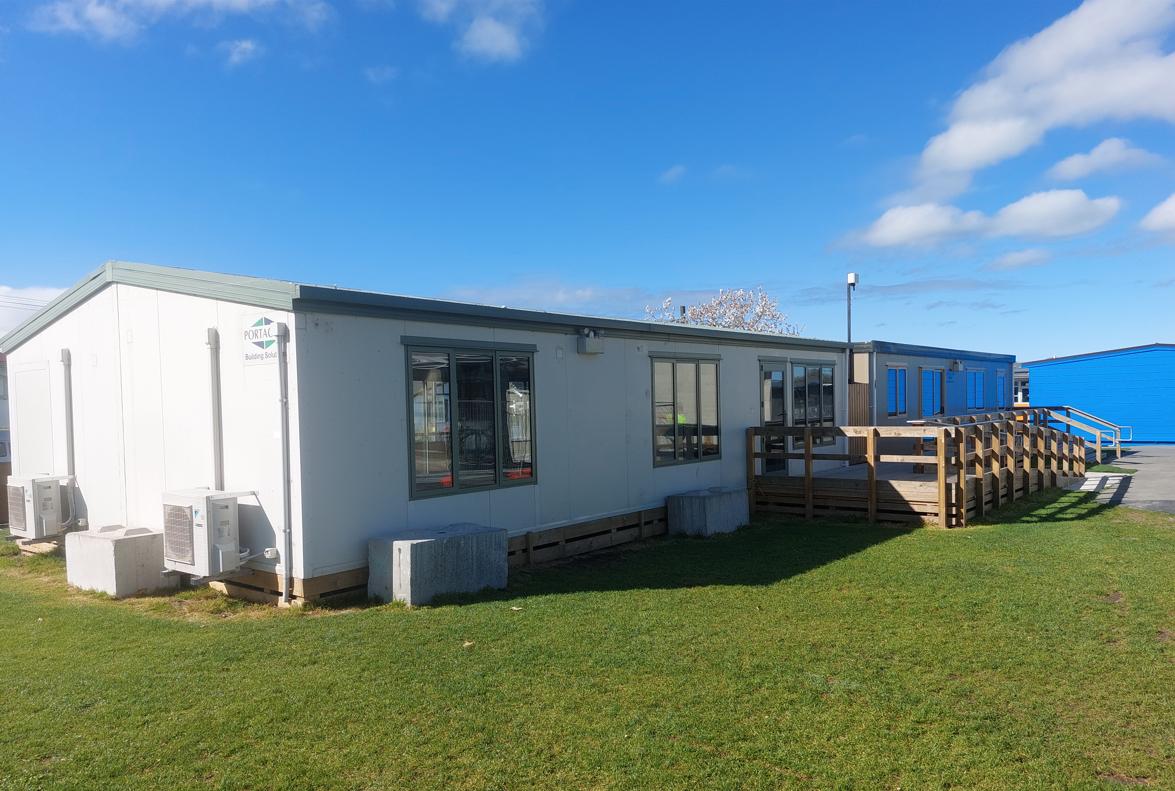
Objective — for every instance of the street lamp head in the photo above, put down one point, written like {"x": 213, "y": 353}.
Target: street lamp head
{"x": 852, "y": 279}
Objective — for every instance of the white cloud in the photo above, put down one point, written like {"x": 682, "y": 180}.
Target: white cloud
{"x": 672, "y": 174}
{"x": 1050, "y": 214}
{"x": 1161, "y": 219}
{"x": 1054, "y": 213}
{"x": 1112, "y": 154}
{"x": 20, "y": 304}
{"x": 488, "y": 30}
{"x": 378, "y": 75}
{"x": 1104, "y": 61}
{"x": 123, "y": 20}
{"x": 1021, "y": 259}
{"x": 240, "y": 51}
{"x": 922, "y": 225}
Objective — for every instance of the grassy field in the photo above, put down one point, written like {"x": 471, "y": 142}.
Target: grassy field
{"x": 1032, "y": 653}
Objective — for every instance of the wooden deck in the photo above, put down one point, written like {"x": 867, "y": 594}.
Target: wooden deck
{"x": 953, "y": 474}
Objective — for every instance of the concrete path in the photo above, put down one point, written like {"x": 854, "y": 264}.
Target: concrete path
{"x": 1152, "y": 487}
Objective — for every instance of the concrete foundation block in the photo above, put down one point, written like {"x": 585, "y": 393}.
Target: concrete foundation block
{"x": 120, "y": 561}
{"x": 416, "y": 566}
{"x": 706, "y": 512}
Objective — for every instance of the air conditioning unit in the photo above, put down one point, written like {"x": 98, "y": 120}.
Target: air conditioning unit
{"x": 34, "y": 506}
{"x": 200, "y": 534}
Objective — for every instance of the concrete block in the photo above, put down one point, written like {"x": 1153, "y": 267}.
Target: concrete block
{"x": 416, "y": 566}
{"x": 120, "y": 561}
{"x": 706, "y": 512}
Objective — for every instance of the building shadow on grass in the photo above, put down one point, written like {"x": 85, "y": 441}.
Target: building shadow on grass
{"x": 763, "y": 553}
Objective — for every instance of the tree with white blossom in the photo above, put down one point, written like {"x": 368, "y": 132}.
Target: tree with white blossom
{"x": 736, "y": 309}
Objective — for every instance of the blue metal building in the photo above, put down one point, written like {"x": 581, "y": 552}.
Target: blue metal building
{"x": 1134, "y": 387}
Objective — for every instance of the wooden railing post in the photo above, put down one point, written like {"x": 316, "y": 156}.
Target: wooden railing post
{"x": 809, "y": 489}
{"x": 1013, "y": 440}
{"x": 940, "y": 442}
{"x": 1029, "y": 438}
{"x": 980, "y": 471}
{"x": 1041, "y": 460}
{"x": 961, "y": 477}
{"x": 1098, "y": 448}
{"x": 997, "y": 467}
{"x": 871, "y": 460}
{"x": 1081, "y": 459}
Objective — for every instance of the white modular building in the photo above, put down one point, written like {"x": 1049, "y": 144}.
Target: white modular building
{"x": 338, "y": 415}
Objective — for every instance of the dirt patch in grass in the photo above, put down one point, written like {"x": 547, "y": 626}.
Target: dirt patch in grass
{"x": 1121, "y": 779}
{"x": 1113, "y": 598}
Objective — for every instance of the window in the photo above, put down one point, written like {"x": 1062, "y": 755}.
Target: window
{"x": 895, "y": 391}
{"x": 685, "y": 411}
{"x": 975, "y": 390}
{"x": 473, "y": 406}
{"x": 1001, "y": 389}
{"x": 814, "y": 400}
{"x": 931, "y": 392}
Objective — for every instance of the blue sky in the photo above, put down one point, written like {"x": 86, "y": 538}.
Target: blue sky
{"x": 1002, "y": 174}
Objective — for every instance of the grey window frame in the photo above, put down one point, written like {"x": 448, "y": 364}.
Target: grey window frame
{"x": 453, "y": 348}
{"x": 696, "y": 360}
{"x": 819, "y": 441}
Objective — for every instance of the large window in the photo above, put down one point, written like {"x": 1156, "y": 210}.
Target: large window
{"x": 895, "y": 391}
{"x": 473, "y": 406}
{"x": 975, "y": 390}
{"x": 685, "y": 411}
{"x": 932, "y": 392}
{"x": 813, "y": 400}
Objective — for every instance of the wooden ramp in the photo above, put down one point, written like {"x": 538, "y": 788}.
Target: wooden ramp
{"x": 953, "y": 473}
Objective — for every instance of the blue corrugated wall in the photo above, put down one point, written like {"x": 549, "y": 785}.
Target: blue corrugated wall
{"x": 1133, "y": 387}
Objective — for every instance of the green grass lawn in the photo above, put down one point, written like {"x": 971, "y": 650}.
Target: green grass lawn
{"x": 1111, "y": 468}
{"x": 1031, "y": 653}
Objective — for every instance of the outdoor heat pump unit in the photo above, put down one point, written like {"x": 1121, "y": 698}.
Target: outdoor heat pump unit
{"x": 34, "y": 506}
{"x": 200, "y": 532}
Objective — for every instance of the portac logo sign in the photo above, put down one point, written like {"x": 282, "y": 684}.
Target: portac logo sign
{"x": 260, "y": 341}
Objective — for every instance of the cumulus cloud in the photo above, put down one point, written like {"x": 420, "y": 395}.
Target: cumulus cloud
{"x": 1049, "y": 214}
{"x": 1053, "y": 213}
{"x": 1106, "y": 60}
{"x": 672, "y": 174}
{"x": 123, "y": 20}
{"x": 17, "y": 305}
{"x": 1112, "y": 154}
{"x": 240, "y": 51}
{"x": 1021, "y": 259}
{"x": 488, "y": 30}
{"x": 1161, "y": 219}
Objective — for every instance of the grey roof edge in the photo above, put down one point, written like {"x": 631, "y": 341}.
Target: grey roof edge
{"x": 287, "y": 295}
{"x": 367, "y": 303}
{"x": 64, "y": 303}
{"x": 277, "y": 294}
{"x": 892, "y": 347}
{"x": 1101, "y": 352}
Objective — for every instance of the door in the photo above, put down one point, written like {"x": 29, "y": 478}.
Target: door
{"x": 774, "y": 413}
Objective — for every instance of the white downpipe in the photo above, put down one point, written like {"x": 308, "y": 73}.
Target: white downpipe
{"x": 217, "y": 418}
{"x": 283, "y": 374}
{"x": 70, "y": 469}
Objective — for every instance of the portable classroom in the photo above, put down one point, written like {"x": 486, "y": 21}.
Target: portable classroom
{"x": 559, "y": 419}
{"x": 906, "y": 382}
{"x": 1133, "y": 386}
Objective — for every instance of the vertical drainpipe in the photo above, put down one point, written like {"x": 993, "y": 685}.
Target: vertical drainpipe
{"x": 217, "y": 420}
{"x": 70, "y": 468}
{"x": 67, "y": 364}
{"x": 283, "y": 374}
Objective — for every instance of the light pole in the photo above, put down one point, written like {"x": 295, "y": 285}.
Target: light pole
{"x": 850, "y": 286}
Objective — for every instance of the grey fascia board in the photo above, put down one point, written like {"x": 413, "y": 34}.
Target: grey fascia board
{"x": 67, "y": 301}
{"x": 261, "y": 292}
{"x": 275, "y": 294}
{"x": 912, "y": 350}
{"x": 329, "y": 300}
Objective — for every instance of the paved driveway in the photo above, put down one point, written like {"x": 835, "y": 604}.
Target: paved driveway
{"x": 1152, "y": 487}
